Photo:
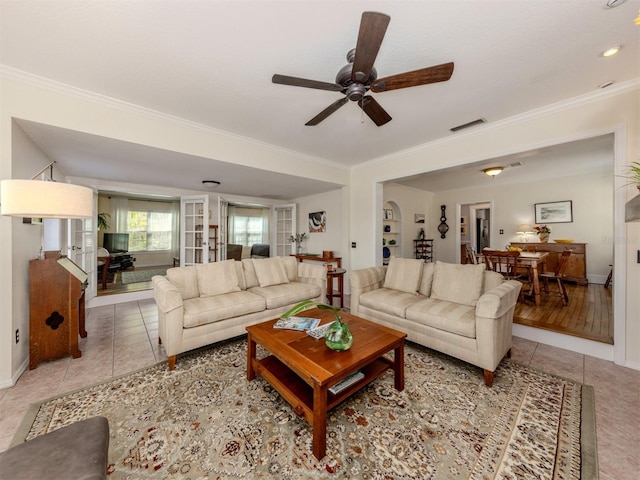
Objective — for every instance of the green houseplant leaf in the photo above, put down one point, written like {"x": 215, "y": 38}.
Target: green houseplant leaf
{"x": 310, "y": 304}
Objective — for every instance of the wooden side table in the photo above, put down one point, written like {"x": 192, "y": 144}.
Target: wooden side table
{"x": 336, "y": 273}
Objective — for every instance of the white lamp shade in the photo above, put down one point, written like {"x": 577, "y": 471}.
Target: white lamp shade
{"x": 524, "y": 228}
{"x": 41, "y": 199}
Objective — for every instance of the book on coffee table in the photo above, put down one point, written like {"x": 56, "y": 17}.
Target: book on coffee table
{"x": 347, "y": 382}
{"x": 297, "y": 323}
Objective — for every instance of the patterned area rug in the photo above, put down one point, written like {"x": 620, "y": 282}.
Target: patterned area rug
{"x": 204, "y": 420}
{"x": 135, "y": 276}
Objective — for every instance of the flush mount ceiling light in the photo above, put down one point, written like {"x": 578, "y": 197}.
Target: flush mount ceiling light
{"x": 210, "y": 182}
{"x": 45, "y": 198}
{"x": 611, "y": 51}
{"x": 493, "y": 171}
{"x": 615, "y": 3}
{"x": 606, "y": 84}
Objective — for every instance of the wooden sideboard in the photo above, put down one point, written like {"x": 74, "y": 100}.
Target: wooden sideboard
{"x": 577, "y": 269}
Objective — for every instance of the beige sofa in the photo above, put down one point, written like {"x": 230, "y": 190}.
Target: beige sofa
{"x": 202, "y": 304}
{"x": 461, "y": 310}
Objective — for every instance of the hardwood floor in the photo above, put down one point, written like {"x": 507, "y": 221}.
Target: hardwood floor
{"x": 588, "y": 315}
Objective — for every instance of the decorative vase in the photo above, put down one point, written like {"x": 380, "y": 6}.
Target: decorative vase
{"x": 544, "y": 237}
{"x": 338, "y": 337}
{"x": 299, "y": 248}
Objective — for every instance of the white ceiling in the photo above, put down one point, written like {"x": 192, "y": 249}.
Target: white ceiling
{"x": 211, "y": 62}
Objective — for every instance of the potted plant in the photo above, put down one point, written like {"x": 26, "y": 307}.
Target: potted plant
{"x": 297, "y": 239}
{"x": 634, "y": 174}
{"x": 338, "y": 337}
{"x": 543, "y": 232}
{"x": 102, "y": 221}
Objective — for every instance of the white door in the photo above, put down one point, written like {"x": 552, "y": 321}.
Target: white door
{"x": 223, "y": 215}
{"x": 194, "y": 230}
{"x": 81, "y": 250}
{"x": 284, "y": 221}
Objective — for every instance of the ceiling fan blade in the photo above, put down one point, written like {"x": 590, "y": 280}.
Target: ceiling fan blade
{"x": 303, "y": 82}
{"x": 438, "y": 73}
{"x": 376, "y": 113}
{"x": 373, "y": 26}
{"x": 326, "y": 112}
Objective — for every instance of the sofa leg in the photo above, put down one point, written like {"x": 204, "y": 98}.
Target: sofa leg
{"x": 488, "y": 378}
{"x": 508, "y": 355}
{"x": 172, "y": 362}
{"x": 159, "y": 341}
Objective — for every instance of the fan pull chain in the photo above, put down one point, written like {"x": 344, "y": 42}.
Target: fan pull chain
{"x": 361, "y": 111}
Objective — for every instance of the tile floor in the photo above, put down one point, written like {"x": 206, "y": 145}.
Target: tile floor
{"x": 124, "y": 338}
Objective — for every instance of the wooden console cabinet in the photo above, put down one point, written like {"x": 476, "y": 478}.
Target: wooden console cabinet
{"x": 577, "y": 269}
{"x": 56, "y": 308}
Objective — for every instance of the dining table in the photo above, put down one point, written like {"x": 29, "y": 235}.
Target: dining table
{"x": 534, "y": 263}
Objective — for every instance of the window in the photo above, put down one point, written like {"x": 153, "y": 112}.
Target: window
{"x": 248, "y": 226}
{"x": 149, "y": 231}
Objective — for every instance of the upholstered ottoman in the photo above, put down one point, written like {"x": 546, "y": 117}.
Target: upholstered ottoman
{"x": 78, "y": 451}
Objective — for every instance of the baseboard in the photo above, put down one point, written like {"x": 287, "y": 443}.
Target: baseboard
{"x": 17, "y": 374}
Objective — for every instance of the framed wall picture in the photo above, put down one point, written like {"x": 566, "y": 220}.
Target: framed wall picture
{"x": 418, "y": 217}
{"x": 554, "y": 212}
{"x": 317, "y": 222}
{"x": 388, "y": 214}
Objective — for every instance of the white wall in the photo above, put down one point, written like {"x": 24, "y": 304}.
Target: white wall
{"x": 333, "y": 238}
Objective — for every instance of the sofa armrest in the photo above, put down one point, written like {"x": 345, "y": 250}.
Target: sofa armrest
{"x": 499, "y": 300}
{"x": 166, "y": 294}
{"x": 494, "y": 322}
{"x": 314, "y": 274}
{"x": 364, "y": 280}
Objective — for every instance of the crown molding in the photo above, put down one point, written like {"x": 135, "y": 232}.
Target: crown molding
{"x": 54, "y": 86}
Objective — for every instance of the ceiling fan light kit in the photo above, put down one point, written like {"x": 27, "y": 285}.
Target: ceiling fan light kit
{"x": 359, "y": 76}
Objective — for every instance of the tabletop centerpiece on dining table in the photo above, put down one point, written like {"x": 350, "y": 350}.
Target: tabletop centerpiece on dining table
{"x": 338, "y": 337}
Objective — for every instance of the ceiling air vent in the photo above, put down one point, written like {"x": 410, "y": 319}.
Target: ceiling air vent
{"x": 515, "y": 164}
{"x": 470, "y": 124}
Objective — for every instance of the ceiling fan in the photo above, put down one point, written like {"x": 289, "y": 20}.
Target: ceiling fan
{"x": 359, "y": 76}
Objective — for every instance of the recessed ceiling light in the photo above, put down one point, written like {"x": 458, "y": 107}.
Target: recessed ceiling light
{"x": 611, "y": 51}
{"x": 606, "y": 84}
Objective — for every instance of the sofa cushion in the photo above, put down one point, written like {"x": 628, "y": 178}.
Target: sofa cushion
{"x": 270, "y": 271}
{"x": 277, "y": 296}
{"x": 290, "y": 264}
{"x": 447, "y": 316}
{"x": 242, "y": 283}
{"x": 186, "y": 281}
{"x": 217, "y": 278}
{"x": 457, "y": 283}
{"x": 203, "y": 310}
{"x": 389, "y": 301}
{"x": 428, "y": 269}
{"x": 403, "y": 274}
{"x": 491, "y": 280}
{"x": 249, "y": 273}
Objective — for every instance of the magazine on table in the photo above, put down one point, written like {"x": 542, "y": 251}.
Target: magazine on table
{"x": 297, "y": 323}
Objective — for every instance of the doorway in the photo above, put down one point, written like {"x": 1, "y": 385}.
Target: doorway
{"x": 475, "y": 227}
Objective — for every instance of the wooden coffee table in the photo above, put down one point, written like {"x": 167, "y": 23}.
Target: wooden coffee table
{"x": 302, "y": 368}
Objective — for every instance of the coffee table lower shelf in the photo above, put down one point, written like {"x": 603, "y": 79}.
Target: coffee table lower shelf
{"x": 299, "y": 394}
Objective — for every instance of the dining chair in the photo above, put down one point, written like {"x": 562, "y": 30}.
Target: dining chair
{"x": 558, "y": 276}
{"x": 470, "y": 254}
{"x": 503, "y": 262}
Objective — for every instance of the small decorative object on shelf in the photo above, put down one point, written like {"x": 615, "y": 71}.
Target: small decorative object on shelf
{"x": 297, "y": 239}
{"x": 543, "y": 232}
{"x": 443, "y": 228}
{"x": 421, "y": 234}
{"x": 338, "y": 337}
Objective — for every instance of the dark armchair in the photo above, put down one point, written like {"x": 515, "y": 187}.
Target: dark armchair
{"x": 260, "y": 250}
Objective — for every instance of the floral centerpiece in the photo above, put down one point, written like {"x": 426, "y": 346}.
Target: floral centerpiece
{"x": 543, "y": 232}
{"x": 297, "y": 239}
